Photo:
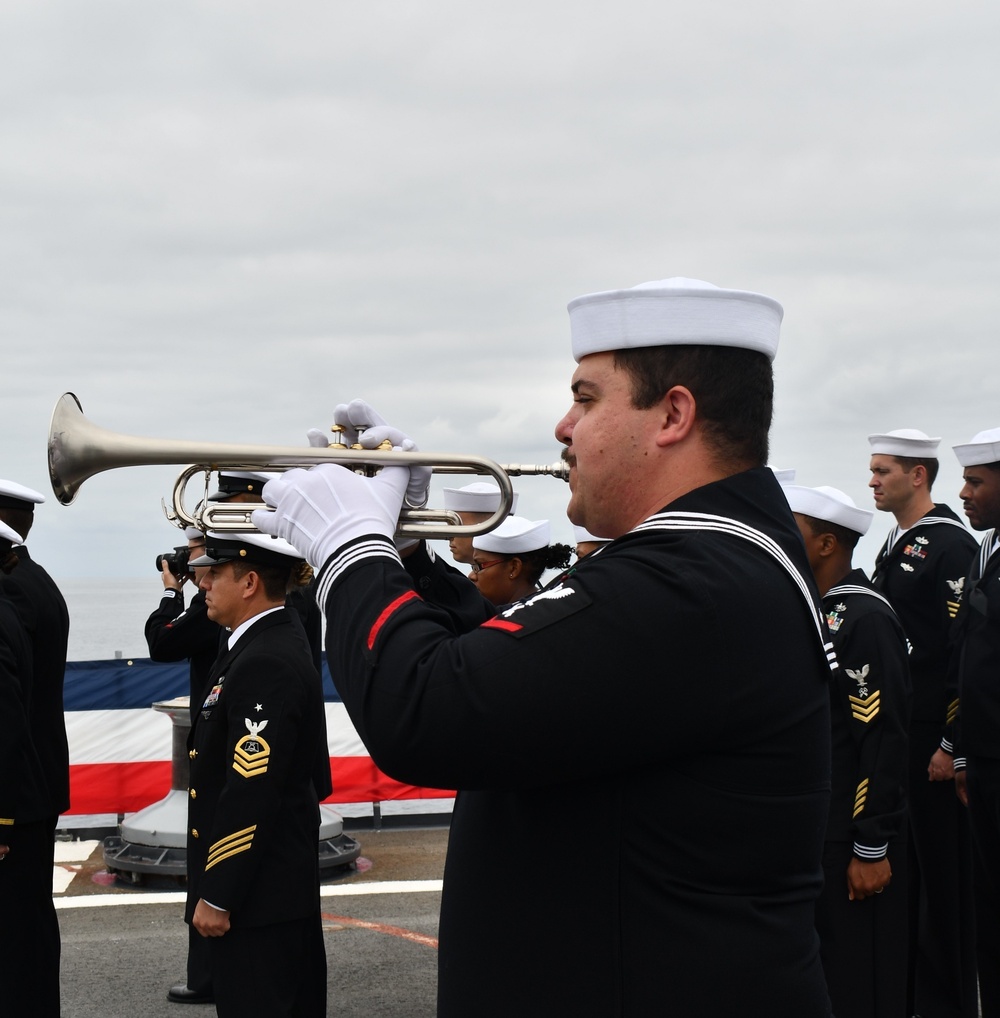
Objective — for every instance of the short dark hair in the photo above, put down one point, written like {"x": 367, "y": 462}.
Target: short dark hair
{"x": 733, "y": 389}
{"x": 844, "y": 535}
{"x": 929, "y": 464}
{"x": 277, "y": 580}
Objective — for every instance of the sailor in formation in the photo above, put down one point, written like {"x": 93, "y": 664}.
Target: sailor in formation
{"x": 977, "y": 749}
{"x": 29, "y": 961}
{"x": 861, "y": 914}
{"x": 921, "y": 569}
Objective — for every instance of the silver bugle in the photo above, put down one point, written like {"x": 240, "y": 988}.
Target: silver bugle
{"x": 78, "y": 449}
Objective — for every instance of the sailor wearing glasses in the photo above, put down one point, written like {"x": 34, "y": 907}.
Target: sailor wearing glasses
{"x": 508, "y": 563}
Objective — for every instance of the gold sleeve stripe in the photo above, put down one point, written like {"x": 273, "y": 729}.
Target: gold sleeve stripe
{"x": 865, "y": 710}
{"x": 860, "y": 797}
{"x": 230, "y": 839}
{"x": 952, "y": 608}
{"x": 240, "y": 843}
{"x": 227, "y": 855}
{"x": 6, "y": 822}
{"x": 952, "y": 712}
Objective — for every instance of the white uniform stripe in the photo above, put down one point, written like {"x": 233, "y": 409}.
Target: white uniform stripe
{"x": 853, "y": 588}
{"x": 725, "y": 525}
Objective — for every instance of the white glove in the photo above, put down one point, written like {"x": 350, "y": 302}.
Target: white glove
{"x": 375, "y": 430}
{"x": 319, "y": 511}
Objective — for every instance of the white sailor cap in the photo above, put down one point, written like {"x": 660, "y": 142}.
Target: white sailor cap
{"x": 830, "y": 504}
{"x": 672, "y": 312}
{"x": 905, "y": 442}
{"x": 17, "y": 496}
{"x": 479, "y": 497}
{"x": 194, "y": 534}
{"x": 783, "y": 475}
{"x": 245, "y": 547}
{"x": 10, "y": 534}
{"x": 581, "y": 535}
{"x": 515, "y": 536}
{"x": 239, "y": 482}
{"x": 984, "y": 448}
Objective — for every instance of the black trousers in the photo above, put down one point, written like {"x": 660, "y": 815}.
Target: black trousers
{"x": 199, "y": 962}
{"x": 941, "y": 914}
{"x": 277, "y": 970}
{"x": 29, "y": 958}
{"x": 983, "y": 783}
{"x": 863, "y": 943}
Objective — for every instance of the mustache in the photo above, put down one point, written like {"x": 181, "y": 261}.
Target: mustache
{"x": 567, "y": 458}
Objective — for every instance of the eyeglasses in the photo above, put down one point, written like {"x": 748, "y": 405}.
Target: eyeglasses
{"x": 478, "y": 567}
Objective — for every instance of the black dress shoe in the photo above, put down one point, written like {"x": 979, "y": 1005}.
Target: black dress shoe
{"x": 180, "y": 994}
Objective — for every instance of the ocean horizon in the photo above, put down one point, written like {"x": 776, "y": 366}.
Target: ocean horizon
{"x": 107, "y": 617}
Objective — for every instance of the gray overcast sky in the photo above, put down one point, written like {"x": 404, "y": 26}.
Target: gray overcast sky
{"x": 218, "y": 220}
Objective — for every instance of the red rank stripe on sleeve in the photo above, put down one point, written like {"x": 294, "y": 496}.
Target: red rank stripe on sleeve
{"x": 387, "y": 613}
{"x": 499, "y": 623}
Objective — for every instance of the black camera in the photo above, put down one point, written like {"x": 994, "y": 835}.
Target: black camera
{"x": 176, "y": 560}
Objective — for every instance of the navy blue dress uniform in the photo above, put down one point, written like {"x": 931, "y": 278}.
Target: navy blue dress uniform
{"x": 688, "y": 729}
{"x": 861, "y": 914}
{"x": 679, "y": 679}
{"x": 921, "y": 572}
{"x": 977, "y": 733}
{"x": 42, "y": 612}
{"x": 258, "y": 752}
{"x": 866, "y": 961}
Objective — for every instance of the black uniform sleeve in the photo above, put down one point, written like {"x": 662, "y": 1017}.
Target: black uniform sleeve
{"x": 447, "y": 588}
{"x": 173, "y": 634}
{"x": 19, "y": 769}
{"x": 875, "y": 690}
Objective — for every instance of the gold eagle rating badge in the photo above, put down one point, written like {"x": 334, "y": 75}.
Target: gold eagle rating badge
{"x": 252, "y": 752}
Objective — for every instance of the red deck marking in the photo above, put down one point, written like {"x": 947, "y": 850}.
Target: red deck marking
{"x": 387, "y": 612}
{"x": 392, "y": 931}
